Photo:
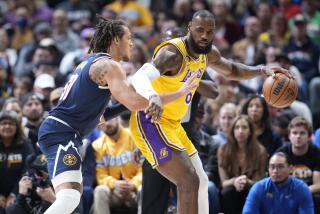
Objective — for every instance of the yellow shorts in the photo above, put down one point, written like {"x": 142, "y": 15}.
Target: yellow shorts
{"x": 156, "y": 140}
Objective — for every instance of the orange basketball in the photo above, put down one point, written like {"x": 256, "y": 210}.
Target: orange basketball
{"x": 280, "y": 90}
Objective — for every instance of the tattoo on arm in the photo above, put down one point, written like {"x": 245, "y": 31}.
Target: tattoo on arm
{"x": 98, "y": 72}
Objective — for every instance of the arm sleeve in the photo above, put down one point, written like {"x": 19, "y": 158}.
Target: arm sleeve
{"x": 113, "y": 111}
{"x": 252, "y": 205}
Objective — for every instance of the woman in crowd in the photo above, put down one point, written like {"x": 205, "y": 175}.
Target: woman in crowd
{"x": 257, "y": 110}
{"x": 242, "y": 161}
{"x": 14, "y": 150}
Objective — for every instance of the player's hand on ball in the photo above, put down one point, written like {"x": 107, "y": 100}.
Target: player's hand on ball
{"x": 271, "y": 71}
{"x": 155, "y": 108}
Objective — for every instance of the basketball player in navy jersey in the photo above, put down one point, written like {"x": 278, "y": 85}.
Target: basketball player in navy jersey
{"x": 84, "y": 101}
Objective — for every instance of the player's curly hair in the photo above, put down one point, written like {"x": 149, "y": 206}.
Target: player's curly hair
{"x": 105, "y": 31}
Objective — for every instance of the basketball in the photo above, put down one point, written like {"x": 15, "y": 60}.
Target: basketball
{"x": 280, "y": 90}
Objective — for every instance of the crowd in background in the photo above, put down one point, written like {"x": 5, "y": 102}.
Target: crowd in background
{"x": 41, "y": 42}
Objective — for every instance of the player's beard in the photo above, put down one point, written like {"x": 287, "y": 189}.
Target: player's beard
{"x": 196, "y": 48}
{"x": 112, "y": 131}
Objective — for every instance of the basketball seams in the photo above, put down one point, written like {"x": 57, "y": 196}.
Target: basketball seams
{"x": 284, "y": 90}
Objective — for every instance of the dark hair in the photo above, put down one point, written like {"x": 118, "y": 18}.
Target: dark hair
{"x": 254, "y": 151}
{"x": 202, "y": 14}
{"x": 284, "y": 155}
{"x": 265, "y": 120}
{"x": 105, "y": 31}
{"x": 13, "y": 116}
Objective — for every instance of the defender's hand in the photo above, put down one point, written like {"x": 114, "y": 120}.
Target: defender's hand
{"x": 190, "y": 84}
{"x": 155, "y": 108}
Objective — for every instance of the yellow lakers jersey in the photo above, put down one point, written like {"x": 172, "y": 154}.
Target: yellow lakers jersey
{"x": 164, "y": 84}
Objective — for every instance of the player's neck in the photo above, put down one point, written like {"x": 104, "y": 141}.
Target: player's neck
{"x": 115, "y": 54}
{"x": 190, "y": 50}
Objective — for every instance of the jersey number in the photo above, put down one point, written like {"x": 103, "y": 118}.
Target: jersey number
{"x": 188, "y": 98}
{"x": 68, "y": 86}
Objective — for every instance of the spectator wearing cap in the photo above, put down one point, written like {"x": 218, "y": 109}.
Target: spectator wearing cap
{"x": 302, "y": 51}
{"x": 43, "y": 85}
{"x": 69, "y": 61}
{"x": 33, "y": 113}
{"x": 40, "y": 31}
{"x": 64, "y": 37}
{"x": 13, "y": 152}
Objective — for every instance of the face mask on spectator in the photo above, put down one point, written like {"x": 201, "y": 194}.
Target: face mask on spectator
{"x": 22, "y": 22}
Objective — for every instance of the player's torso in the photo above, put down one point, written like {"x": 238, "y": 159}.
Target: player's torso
{"x": 82, "y": 101}
{"x": 178, "y": 108}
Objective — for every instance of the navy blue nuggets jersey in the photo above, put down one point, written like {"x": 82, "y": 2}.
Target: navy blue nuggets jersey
{"x": 82, "y": 101}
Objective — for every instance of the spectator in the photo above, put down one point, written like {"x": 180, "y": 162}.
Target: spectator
{"x": 12, "y": 104}
{"x": 226, "y": 115}
{"x": 64, "y": 37}
{"x": 81, "y": 14}
{"x": 21, "y": 87}
{"x": 227, "y": 31}
{"x": 310, "y": 9}
{"x": 40, "y": 31}
{"x": 257, "y": 110}
{"x": 5, "y": 48}
{"x": 302, "y": 51}
{"x": 22, "y": 30}
{"x": 43, "y": 85}
{"x": 118, "y": 178}
{"x": 264, "y": 14}
{"x": 54, "y": 97}
{"x": 33, "y": 112}
{"x": 14, "y": 150}
{"x": 287, "y": 8}
{"x": 277, "y": 34}
{"x": 305, "y": 156}
{"x": 136, "y": 14}
{"x": 72, "y": 59}
{"x": 242, "y": 162}
{"x": 279, "y": 193}
{"x": 35, "y": 191}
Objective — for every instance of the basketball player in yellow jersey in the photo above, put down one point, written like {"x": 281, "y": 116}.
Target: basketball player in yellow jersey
{"x": 165, "y": 144}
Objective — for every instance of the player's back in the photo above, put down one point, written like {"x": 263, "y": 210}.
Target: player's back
{"x": 164, "y": 84}
{"x": 82, "y": 101}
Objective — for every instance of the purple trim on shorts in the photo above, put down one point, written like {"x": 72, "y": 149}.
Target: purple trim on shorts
{"x": 162, "y": 151}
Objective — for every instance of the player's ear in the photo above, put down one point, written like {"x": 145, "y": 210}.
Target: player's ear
{"x": 189, "y": 26}
{"x": 116, "y": 40}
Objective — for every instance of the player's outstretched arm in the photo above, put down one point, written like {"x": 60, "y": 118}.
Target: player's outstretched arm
{"x": 237, "y": 71}
{"x": 109, "y": 73}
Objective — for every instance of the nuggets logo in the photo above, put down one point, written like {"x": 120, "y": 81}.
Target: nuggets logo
{"x": 69, "y": 159}
{"x": 163, "y": 153}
